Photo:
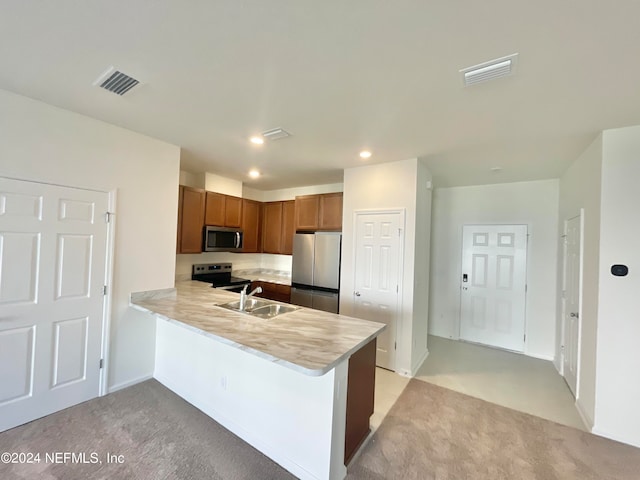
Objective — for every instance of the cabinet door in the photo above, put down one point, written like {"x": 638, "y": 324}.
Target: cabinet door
{"x": 307, "y": 208}
{"x": 192, "y": 220}
{"x": 214, "y": 212}
{"x": 251, "y": 226}
{"x": 272, "y": 227}
{"x": 233, "y": 212}
{"x": 288, "y": 229}
{"x": 179, "y": 231}
{"x": 330, "y": 217}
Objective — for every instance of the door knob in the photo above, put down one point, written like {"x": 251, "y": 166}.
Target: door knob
{"x": 357, "y": 294}
{"x": 573, "y": 315}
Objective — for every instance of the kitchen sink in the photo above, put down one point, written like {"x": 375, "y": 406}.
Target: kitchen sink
{"x": 259, "y": 308}
{"x": 249, "y": 305}
{"x": 269, "y": 311}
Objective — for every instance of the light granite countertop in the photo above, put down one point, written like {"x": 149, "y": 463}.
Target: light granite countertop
{"x": 309, "y": 341}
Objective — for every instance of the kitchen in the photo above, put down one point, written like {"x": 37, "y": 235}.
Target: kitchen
{"x": 197, "y": 104}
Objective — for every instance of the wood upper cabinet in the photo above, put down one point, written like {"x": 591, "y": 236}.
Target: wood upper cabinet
{"x": 190, "y": 219}
{"x": 223, "y": 210}
{"x": 330, "y": 215}
{"x": 233, "y": 212}
{"x": 319, "y": 212}
{"x": 272, "y": 227}
{"x": 214, "y": 211}
{"x": 307, "y": 209}
{"x": 288, "y": 228}
{"x": 251, "y": 226}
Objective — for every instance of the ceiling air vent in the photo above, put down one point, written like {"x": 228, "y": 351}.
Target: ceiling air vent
{"x": 275, "y": 134}
{"x": 115, "y": 81}
{"x": 500, "y": 67}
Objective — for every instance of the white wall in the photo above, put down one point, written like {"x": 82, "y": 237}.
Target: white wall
{"x": 422, "y": 266}
{"x": 383, "y": 186}
{"x": 618, "y": 362}
{"x": 195, "y": 180}
{"x": 42, "y": 143}
{"x": 289, "y": 193}
{"x": 227, "y": 186}
{"x": 531, "y": 203}
{"x": 580, "y": 189}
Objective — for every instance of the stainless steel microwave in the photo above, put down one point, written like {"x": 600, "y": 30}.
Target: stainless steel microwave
{"x": 220, "y": 239}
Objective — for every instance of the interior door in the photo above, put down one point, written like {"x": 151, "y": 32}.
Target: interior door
{"x": 377, "y": 272}
{"x": 53, "y": 244}
{"x": 571, "y": 301}
{"x": 493, "y": 285}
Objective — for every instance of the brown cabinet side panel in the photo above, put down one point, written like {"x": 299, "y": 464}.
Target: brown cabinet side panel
{"x": 306, "y": 212}
{"x": 179, "y": 230}
{"x": 272, "y": 227}
{"x": 233, "y": 212}
{"x": 330, "y": 217}
{"x": 360, "y": 397}
{"x": 251, "y": 226}
{"x": 214, "y": 211}
{"x": 288, "y": 228}
{"x": 192, "y": 220}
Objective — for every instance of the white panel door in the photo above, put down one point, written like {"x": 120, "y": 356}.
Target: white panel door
{"x": 493, "y": 287}
{"x": 53, "y": 244}
{"x": 571, "y": 302}
{"x": 377, "y": 271}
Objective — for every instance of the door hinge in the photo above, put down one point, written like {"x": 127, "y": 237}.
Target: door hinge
{"x": 397, "y": 289}
{"x": 399, "y": 232}
{"x": 525, "y": 337}
{"x": 395, "y": 345}
{"x": 101, "y": 363}
{"x": 104, "y": 290}
{"x": 107, "y": 217}
{"x": 526, "y": 288}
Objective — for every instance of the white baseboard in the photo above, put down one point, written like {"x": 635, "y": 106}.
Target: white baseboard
{"x": 129, "y": 383}
{"x": 617, "y": 438}
{"x": 586, "y": 419}
{"x": 414, "y": 369}
{"x": 549, "y": 358}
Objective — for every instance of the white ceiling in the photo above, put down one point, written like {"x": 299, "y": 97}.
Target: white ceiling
{"x": 339, "y": 75}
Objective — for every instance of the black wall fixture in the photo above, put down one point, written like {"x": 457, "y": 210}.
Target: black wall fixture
{"x": 619, "y": 270}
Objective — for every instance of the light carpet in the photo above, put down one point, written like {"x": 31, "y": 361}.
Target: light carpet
{"x": 434, "y": 433}
{"x": 429, "y": 433}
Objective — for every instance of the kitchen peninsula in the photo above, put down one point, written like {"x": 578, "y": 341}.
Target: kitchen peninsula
{"x": 298, "y": 387}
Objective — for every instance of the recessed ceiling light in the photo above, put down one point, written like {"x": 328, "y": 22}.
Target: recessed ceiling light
{"x": 254, "y": 173}
{"x": 365, "y": 154}
{"x": 495, "y": 169}
{"x": 257, "y": 140}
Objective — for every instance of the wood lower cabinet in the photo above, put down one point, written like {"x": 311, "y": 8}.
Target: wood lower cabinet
{"x": 251, "y": 226}
{"x": 190, "y": 219}
{"x": 273, "y": 291}
{"x": 360, "y": 398}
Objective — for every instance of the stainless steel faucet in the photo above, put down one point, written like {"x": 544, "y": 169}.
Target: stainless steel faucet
{"x": 244, "y": 295}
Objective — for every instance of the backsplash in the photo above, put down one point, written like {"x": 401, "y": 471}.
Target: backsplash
{"x": 240, "y": 261}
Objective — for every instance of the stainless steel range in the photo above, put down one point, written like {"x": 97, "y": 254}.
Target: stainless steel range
{"x": 219, "y": 276}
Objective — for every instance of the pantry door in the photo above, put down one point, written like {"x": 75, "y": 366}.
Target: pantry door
{"x": 493, "y": 285}
{"x": 377, "y": 272}
{"x": 53, "y": 243}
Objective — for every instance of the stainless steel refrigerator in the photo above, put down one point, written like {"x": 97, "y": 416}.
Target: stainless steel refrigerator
{"x": 315, "y": 275}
